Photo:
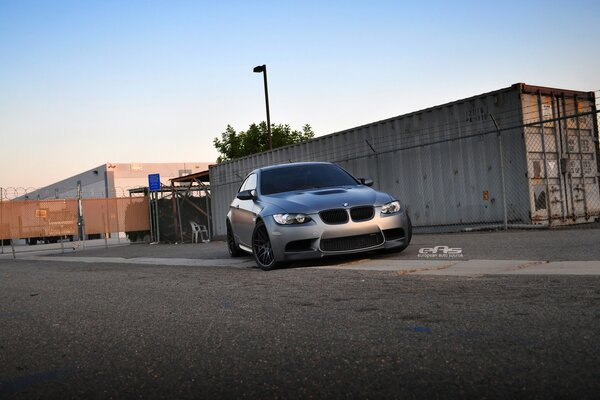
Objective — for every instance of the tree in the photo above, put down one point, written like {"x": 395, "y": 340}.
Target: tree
{"x": 255, "y": 139}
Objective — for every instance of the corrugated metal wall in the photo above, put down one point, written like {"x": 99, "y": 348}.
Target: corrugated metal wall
{"x": 443, "y": 163}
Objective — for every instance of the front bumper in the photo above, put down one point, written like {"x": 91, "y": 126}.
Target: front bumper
{"x": 314, "y": 239}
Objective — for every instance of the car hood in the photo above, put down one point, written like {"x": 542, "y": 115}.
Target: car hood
{"x": 316, "y": 200}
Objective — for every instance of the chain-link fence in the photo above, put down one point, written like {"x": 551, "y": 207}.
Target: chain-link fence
{"x": 52, "y": 220}
{"x": 518, "y": 157}
{"x": 535, "y": 174}
{"x": 174, "y": 213}
{"x": 534, "y": 167}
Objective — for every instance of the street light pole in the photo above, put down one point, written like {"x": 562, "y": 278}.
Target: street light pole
{"x": 263, "y": 69}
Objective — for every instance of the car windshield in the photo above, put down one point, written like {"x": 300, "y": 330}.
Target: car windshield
{"x": 302, "y": 177}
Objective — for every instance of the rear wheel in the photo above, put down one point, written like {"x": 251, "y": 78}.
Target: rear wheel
{"x": 262, "y": 249}
{"x": 234, "y": 249}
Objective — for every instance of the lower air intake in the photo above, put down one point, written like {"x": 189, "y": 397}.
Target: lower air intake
{"x": 352, "y": 242}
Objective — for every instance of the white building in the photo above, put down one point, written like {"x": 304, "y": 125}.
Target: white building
{"x": 115, "y": 179}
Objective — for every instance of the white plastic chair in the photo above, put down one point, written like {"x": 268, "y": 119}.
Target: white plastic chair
{"x": 199, "y": 230}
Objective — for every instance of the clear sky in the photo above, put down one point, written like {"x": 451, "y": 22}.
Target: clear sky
{"x": 88, "y": 82}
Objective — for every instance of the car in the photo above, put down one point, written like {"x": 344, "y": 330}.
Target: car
{"x": 300, "y": 211}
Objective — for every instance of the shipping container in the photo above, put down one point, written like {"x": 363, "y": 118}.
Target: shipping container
{"x": 522, "y": 155}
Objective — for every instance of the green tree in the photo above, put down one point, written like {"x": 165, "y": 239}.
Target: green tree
{"x": 255, "y": 139}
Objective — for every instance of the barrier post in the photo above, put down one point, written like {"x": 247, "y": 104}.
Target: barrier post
{"x": 1, "y": 218}
{"x": 105, "y": 231}
{"x": 118, "y": 228}
{"x": 80, "y": 220}
{"x": 502, "y": 181}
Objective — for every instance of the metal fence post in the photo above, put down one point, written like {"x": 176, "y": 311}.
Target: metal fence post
{"x": 105, "y": 231}
{"x": 151, "y": 217}
{"x": 1, "y": 217}
{"x": 107, "y": 223}
{"x": 177, "y": 211}
{"x": 208, "y": 212}
{"x": 501, "y": 151}
{"x": 157, "y": 221}
{"x": 62, "y": 239}
{"x": 377, "y": 169}
{"x": 80, "y": 221}
{"x": 156, "y": 217}
{"x": 118, "y": 228}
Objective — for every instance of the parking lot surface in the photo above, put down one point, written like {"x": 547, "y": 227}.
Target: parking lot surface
{"x": 555, "y": 244}
{"x": 93, "y": 325}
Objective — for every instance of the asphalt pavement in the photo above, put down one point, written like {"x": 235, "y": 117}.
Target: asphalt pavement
{"x": 97, "y": 324}
{"x": 553, "y": 244}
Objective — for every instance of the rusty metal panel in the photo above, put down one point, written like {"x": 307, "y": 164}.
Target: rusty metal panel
{"x": 562, "y": 156}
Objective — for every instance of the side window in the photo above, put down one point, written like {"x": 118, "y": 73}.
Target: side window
{"x": 249, "y": 183}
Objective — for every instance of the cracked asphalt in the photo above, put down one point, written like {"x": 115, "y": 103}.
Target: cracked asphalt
{"x": 110, "y": 331}
{"x": 122, "y": 330}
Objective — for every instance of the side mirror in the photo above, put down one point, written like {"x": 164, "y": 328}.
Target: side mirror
{"x": 366, "y": 181}
{"x": 246, "y": 195}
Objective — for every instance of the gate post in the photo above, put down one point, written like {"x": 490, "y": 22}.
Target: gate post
{"x": 501, "y": 151}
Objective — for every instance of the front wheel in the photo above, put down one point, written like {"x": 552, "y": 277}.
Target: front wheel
{"x": 262, "y": 249}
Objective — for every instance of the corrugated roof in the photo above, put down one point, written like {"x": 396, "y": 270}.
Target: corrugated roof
{"x": 201, "y": 176}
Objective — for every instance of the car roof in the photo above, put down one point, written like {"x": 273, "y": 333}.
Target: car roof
{"x": 287, "y": 165}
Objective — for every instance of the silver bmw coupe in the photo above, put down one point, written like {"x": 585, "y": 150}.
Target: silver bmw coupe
{"x": 300, "y": 211}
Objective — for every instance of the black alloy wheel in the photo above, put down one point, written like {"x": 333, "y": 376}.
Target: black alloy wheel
{"x": 261, "y": 247}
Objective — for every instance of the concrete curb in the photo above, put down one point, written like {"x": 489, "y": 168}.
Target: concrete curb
{"x": 226, "y": 263}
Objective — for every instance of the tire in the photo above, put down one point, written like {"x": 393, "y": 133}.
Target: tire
{"x": 234, "y": 249}
{"x": 261, "y": 248}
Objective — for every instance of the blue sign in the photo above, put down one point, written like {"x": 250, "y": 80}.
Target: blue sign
{"x": 154, "y": 182}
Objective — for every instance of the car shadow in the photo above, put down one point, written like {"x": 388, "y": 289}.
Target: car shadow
{"x": 342, "y": 259}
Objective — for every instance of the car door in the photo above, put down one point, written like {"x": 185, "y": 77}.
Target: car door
{"x": 243, "y": 213}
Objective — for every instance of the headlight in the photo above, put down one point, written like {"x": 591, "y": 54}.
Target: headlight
{"x": 289, "y": 219}
{"x": 391, "y": 208}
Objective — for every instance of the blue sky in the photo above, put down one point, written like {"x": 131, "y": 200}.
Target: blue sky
{"x": 88, "y": 82}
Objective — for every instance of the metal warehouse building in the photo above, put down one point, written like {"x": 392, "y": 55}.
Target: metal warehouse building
{"x": 115, "y": 179}
{"x": 522, "y": 155}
